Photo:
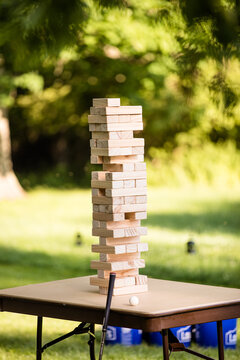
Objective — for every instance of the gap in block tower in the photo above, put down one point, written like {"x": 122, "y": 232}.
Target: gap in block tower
{"x": 119, "y": 195}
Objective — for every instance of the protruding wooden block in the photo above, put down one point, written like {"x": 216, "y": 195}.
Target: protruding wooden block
{"x": 108, "y": 216}
{"x": 121, "y": 143}
{"x": 125, "y": 167}
{"x": 119, "y": 282}
{"x": 119, "y": 257}
{"x": 104, "y": 102}
{"x": 141, "y": 280}
{"x": 136, "y": 215}
{"x": 126, "y": 192}
{"x": 124, "y": 175}
{"x": 118, "y": 233}
{"x": 117, "y": 151}
{"x": 119, "y": 224}
{"x": 119, "y": 241}
{"x": 118, "y": 265}
{"x": 125, "y": 290}
{"x": 120, "y": 208}
{"x": 108, "y": 119}
{"x": 120, "y": 249}
{"x": 121, "y": 159}
{"x": 120, "y": 110}
{"x": 104, "y": 274}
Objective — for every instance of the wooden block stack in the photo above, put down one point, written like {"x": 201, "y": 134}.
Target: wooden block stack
{"x": 119, "y": 195}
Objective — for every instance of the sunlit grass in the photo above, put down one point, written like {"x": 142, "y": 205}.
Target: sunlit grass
{"x": 37, "y": 244}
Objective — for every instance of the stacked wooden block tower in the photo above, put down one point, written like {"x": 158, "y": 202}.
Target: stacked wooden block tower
{"x": 119, "y": 195}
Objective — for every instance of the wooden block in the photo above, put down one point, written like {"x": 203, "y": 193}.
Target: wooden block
{"x": 112, "y": 151}
{"x": 129, "y": 183}
{"x": 112, "y": 135}
{"x": 120, "y": 110}
{"x": 126, "y": 192}
{"x": 121, "y": 208}
{"x": 106, "y": 249}
{"x": 140, "y": 167}
{"x": 119, "y": 241}
{"x": 99, "y": 175}
{"x": 142, "y": 247}
{"x": 119, "y": 257}
{"x": 116, "y": 127}
{"x": 104, "y": 102}
{"x": 103, "y": 200}
{"x": 141, "y": 280}
{"x": 117, "y": 265}
{"x": 129, "y": 200}
{"x": 122, "y": 159}
{"x": 98, "y": 184}
{"x": 104, "y": 274}
{"x": 136, "y": 215}
{"x": 125, "y": 290}
{"x": 125, "y": 175}
{"x": 96, "y": 223}
{"x": 108, "y": 217}
{"x": 94, "y": 159}
{"x": 117, "y": 143}
{"x": 119, "y": 282}
{"x": 96, "y": 208}
{"x": 118, "y": 233}
{"x": 108, "y": 233}
{"x": 141, "y": 183}
{"x": 108, "y": 119}
{"x": 138, "y": 150}
{"x": 141, "y": 199}
{"x": 127, "y": 167}
{"x": 119, "y": 224}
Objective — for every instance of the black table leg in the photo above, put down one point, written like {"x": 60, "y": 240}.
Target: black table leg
{"x": 39, "y": 338}
{"x": 165, "y": 344}
{"x": 220, "y": 341}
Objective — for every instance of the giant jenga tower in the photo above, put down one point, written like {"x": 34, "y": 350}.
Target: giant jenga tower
{"x": 119, "y": 195}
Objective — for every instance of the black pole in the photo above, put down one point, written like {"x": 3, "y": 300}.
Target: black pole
{"x": 107, "y": 311}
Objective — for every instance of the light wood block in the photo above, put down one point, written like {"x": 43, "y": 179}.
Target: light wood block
{"x": 119, "y": 224}
{"x": 136, "y": 215}
{"x": 106, "y": 249}
{"x": 122, "y": 143}
{"x": 103, "y": 200}
{"x": 119, "y": 241}
{"x": 129, "y": 183}
{"x": 108, "y": 119}
{"x": 120, "y": 208}
{"x": 126, "y": 167}
{"x": 121, "y": 159}
{"x": 116, "y": 127}
{"x": 112, "y": 135}
{"x": 108, "y": 217}
{"x": 140, "y": 166}
{"x": 120, "y": 249}
{"x": 120, "y": 110}
{"x": 116, "y": 151}
{"x": 119, "y": 282}
{"x": 99, "y": 184}
{"x": 117, "y": 265}
{"x": 125, "y": 175}
{"x": 126, "y": 192}
{"x": 141, "y": 280}
{"x": 141, "y": 183}
{"x": 94, "y": 159}
{"x": 104, "y": 102}
{"x": 100, "y": 175}
{"x": 118, "y": 233}
{"x": 104, "y": 274}
{"x": 119, "y": 257}
{"x": 125, "y": 290}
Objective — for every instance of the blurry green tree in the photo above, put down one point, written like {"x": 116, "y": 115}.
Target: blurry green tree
{"x": 179, "y": 59}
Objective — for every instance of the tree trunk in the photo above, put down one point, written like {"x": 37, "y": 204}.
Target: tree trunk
{"x": 9, "y": 184}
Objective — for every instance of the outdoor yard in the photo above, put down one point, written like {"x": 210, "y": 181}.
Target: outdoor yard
{"x": 38, "y": 244}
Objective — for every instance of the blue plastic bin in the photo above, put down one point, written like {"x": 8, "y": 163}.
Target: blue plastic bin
{"x": 123, "y": 336}
{"x": 183, "y": 334}
{"x": 206, "y": 334}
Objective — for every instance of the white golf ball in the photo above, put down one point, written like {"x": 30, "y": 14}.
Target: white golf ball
{"x": 134, "y": 300}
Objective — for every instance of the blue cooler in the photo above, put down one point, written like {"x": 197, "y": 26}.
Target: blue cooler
{"x": 206, "y": 334}
{"x": 183, "y": 334}
{"x": 123, "y": 336}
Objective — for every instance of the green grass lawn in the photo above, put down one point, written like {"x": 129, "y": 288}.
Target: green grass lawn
{"x": 37, "y": 244}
